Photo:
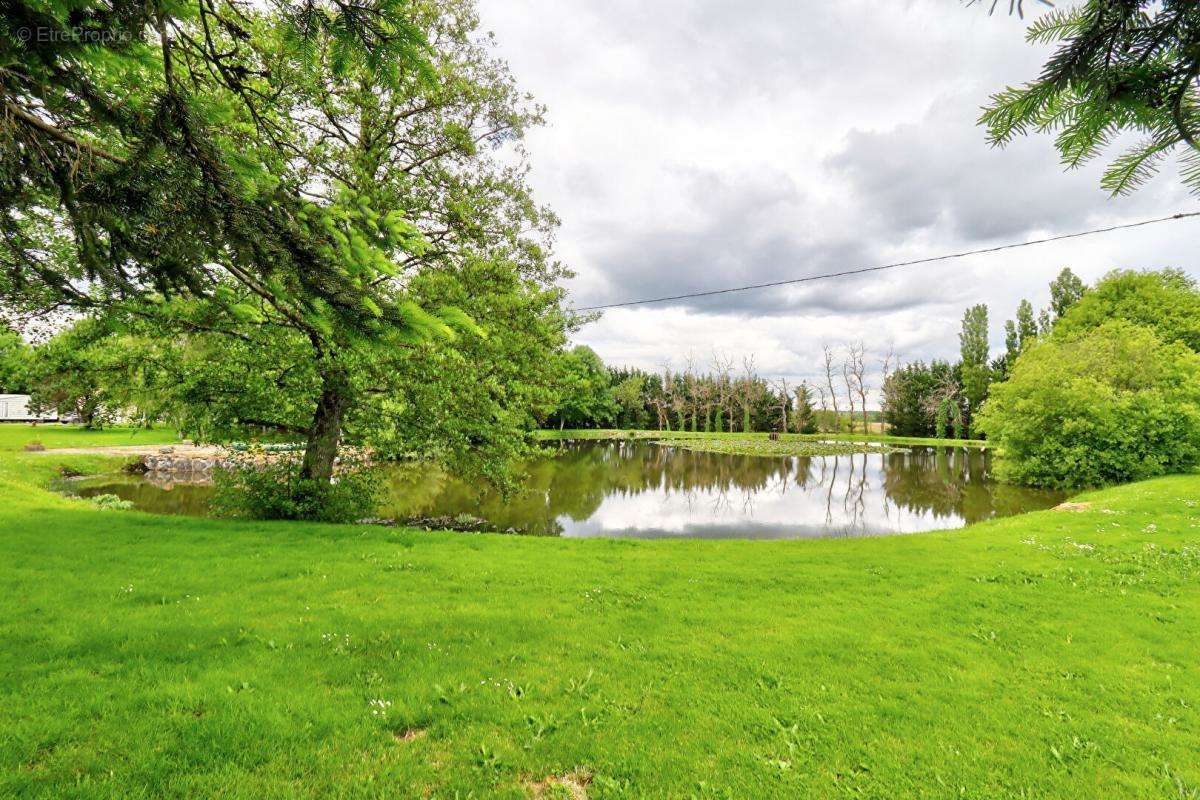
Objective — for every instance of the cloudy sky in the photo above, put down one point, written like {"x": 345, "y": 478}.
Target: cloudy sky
{"x": 698, "y": 144}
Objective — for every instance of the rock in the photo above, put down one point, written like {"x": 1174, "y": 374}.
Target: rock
{"x": 165, "y": 450}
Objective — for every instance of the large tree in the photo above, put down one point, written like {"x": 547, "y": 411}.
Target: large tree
{"x": 1121, "y": 67}
{"x": 305, "y": 181}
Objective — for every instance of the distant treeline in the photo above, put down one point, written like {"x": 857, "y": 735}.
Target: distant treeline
{"x": 939, "y": 399}
{"x": 719, "y": 398}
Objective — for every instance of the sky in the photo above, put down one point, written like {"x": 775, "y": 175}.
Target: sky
{"x": 699, "y": 144}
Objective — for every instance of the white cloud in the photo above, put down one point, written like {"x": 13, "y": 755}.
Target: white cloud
{"x": 693, "y": 145}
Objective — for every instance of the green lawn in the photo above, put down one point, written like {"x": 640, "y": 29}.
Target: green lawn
{"x": 14, "y": 436}
{"x": 1052, "y": 655}
{"x": 612, "y": 433}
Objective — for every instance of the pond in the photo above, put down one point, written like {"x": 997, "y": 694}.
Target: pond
{"x": 640, "y": 489}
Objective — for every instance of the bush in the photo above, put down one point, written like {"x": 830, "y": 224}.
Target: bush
{"x": 1167, "y": 302}
{"x": 258, "y": 487}
{"x": 111, "y": 502}
{"x": 1113, "y": 404}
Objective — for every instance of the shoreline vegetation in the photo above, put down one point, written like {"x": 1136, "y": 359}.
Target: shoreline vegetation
{"x": 742, "y": 446}
{"x": 1044, "y": 654}
{"x": 882, "y": 438}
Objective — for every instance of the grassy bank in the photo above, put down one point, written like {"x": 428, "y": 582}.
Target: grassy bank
{"x": 1044, "y": 656}
{"x": 608, "y": 433}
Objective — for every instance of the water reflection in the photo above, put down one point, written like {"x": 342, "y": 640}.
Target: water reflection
{"x": 634, "y": 488}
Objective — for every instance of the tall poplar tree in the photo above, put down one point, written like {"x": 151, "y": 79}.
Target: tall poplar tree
{"x": 973, "y": 346}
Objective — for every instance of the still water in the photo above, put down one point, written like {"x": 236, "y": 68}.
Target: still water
{"x": 639, "y": 489}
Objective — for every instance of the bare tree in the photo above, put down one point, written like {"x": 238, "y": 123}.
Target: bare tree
{"x": 785, "y": 400}
{"x": 676, "y": 396}
{"x": 848, "y": 379}
{"x": 722, "y": 369}
{"x": 705, "y": 399}
{"x": 749, "y": 388}
{"x": 890, "y": 362}
{"x": 857, "y": 362}
{"x": 661, "y": 400}
{"x": 692, "y": 382}
{"x": 837, "y": 415}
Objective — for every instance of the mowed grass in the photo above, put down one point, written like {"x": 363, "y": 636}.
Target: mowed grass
{"x": 1052, "y": 655}
{"x": 617, "y": 433}
{"x": 14, "y": 436}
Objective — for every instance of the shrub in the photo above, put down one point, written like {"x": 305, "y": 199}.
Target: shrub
{"x": 111, "y": 502}
{"x": 257, "y": 487}
{"x": 1110, "y": 405}
{"x": 1166, "y": 301}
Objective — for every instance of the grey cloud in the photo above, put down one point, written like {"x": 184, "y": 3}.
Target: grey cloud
{"x": 694, "y": 144}
{"x": 942, "y": 175}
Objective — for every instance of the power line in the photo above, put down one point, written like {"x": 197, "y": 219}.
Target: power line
{"x": 881, "y": 267}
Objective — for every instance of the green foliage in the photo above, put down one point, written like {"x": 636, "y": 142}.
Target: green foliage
{"x": 232, "y": 213}
{"x": 275, "y": 488}
{"x": 1166, "y": 301}
{"x": 804, "y": 418}
{"x": 68, "y": 373}
{"x": 1012, "y": 342}
{"x": 585, "y": 396}
{"x": 1065, "y": 291}
{"x": 289, "y": 272}
{"x": 14, "y": 363}
{"x": 111, "y": 502}
{"x": 1120, "y": 67}
{"x": 973, "y": 343}
{"x": 915, "y": 398}
{"x": 1027, "y": 326}
{"x": 1107, "y": 405}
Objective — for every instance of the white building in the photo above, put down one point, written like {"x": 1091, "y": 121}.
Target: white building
{"x": 15, "y": 408}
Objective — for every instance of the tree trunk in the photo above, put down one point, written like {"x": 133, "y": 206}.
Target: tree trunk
{"x": 326, "y": 432}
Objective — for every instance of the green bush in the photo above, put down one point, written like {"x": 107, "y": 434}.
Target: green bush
{"x": 272, "y": 488}
{"x": 1113, "y": 404}
{"x": 111, "y": 502}
{"x": 1166, "y": 301}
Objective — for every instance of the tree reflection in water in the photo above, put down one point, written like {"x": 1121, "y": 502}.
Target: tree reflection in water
{"x": 636, "y": 488}
{"x": 639, "y": 488}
